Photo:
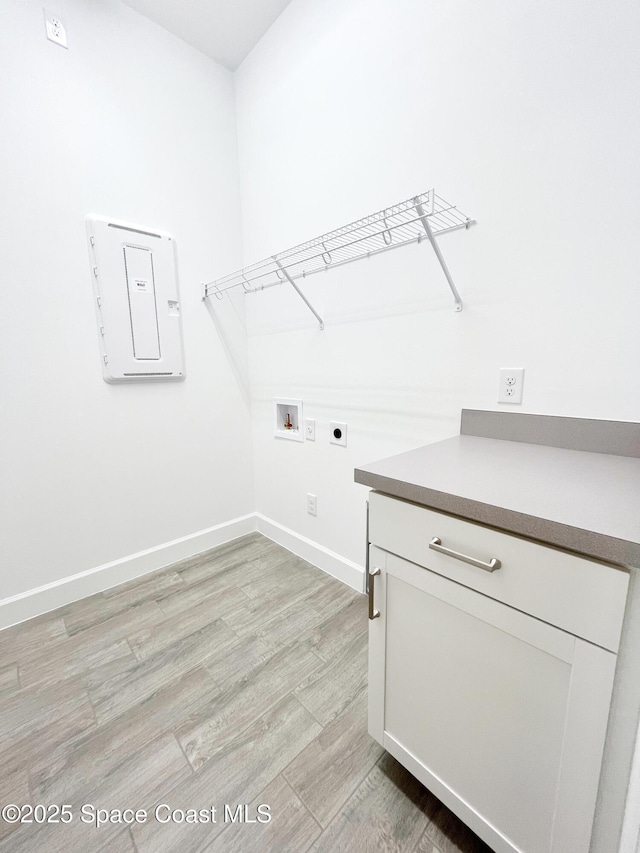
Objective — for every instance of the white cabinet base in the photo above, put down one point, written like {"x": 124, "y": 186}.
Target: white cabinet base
{"x": 501, "y": 715}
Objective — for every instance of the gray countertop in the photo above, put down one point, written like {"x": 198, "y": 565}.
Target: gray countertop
{"x": 584, "y": 501}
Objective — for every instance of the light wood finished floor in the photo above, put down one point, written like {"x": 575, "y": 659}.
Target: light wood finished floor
{"x": 236, "y": 677}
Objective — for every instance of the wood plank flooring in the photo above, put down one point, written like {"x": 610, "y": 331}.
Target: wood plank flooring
{"x": 236, "y": 678}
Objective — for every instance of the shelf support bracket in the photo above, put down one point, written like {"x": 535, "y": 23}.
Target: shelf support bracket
{"x": 300, "y": 293}
{"x": 436, "y": 249}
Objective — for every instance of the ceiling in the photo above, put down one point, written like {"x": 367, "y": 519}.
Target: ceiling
{"x": 225, "y": 30}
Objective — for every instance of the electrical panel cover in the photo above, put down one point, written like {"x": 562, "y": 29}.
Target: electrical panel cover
{"x": 135, "y": 283}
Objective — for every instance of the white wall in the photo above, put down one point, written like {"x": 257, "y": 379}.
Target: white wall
{"x": 129, "y": 123}
{"x": 525, "y": 115}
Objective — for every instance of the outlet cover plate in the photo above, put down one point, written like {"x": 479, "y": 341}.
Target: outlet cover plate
{"x": 55, "y": 29}
{"x": 312, "y": 504}
{"x": 510, "y": 385}
{"x": 338, "y": 433}
{"x": 310, "y": 429}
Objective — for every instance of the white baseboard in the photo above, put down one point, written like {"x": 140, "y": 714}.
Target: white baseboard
{"x": 42, "y": 600}
{"x": 35, "y": 602}
{"x": 330, "y": 562}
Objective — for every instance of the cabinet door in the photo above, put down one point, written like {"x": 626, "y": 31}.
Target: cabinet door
{"x": 501, "y": 715}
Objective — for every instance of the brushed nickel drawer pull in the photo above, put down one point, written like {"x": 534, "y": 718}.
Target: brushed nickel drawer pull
{"x": 373, "y": 613}
{"x": 436, "y": 545}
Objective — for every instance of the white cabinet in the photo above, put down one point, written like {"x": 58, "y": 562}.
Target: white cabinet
{"x": 492, "y": 688}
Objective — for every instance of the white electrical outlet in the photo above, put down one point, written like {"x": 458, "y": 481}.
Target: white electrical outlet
{"x": 510, "y": 385}
{"x": 338, "y": 433}
{"x": 55, "y": 29}
{"x": 309, "y": 429}
{"x": 312, "y": 504}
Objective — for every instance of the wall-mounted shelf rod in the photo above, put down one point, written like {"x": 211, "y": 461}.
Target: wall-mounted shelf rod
{"x": 301, "y": 294}
{"x": 425, "y": 215}
{"x": 425, "y": 222}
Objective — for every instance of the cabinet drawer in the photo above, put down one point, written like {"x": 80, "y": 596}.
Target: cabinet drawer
{"x": 582, "y": 596}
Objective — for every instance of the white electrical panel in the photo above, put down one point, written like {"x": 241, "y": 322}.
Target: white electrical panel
{"x": 135, "y": 283}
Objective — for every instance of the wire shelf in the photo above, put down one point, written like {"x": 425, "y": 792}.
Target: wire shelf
{"x": 424, "y": 216}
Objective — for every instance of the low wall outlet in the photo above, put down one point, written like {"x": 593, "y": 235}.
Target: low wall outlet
{"x": 338, "y": 433}
{"x": 510, "y": 385}
{"x": 309, "y": 429}
{"x": 312, "y": 504}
